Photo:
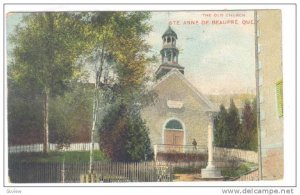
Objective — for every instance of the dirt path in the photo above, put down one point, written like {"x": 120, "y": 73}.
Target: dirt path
{"x": 188, "y": 177}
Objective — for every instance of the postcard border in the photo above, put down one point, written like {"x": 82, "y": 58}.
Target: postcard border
{"x": 4, "y": 85}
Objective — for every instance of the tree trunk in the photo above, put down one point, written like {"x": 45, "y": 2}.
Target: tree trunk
{"x": 95, "y": 106}
{"x": 50, "y": 50}
{"x": 46, "y": 128}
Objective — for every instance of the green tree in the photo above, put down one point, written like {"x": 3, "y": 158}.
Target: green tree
{"x": 46, "y": 48}
{"x": 244, "y": 135}
{"x": 254, "y": 139}
{"x": 227, "y": 126}
{"x": 234, "y": 126}
{"x": 138, "y": 143}
{"x": 221, "y": 127}
{"x": 124, "y": 137}
{"x": 247, "y": 136}
{"x": 126, "y": 94}
{"x": 24, "y": 114}
{"x": 70, "y": 115}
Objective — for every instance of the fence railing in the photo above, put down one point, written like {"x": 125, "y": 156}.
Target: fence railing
{"x": 52, "y": 147}
{"x": 104, "y": 171}
{"x": 222, "y": 153}
{"x": 232, "y": 154}
{"x": 179, "y": 148}
{"x": 168, "y": 148}
{"x": 219, "y": 153}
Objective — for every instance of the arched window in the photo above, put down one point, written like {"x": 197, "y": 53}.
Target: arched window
{"x": 173, "y": 135}
{"x": 168, "y": 40}
{"x": 174, "y": 124}
{"x": 173, "y": 41}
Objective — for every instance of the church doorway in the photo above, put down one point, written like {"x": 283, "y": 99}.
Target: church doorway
{"x": 174, "y": 136}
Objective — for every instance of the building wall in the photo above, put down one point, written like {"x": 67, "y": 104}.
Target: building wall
{"x": 192, "y": 114}
{"x": 270, "y": 72}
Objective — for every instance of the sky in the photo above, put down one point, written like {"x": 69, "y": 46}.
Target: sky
{"x": 216, "y": 47}
{"x": 218, "y": 58}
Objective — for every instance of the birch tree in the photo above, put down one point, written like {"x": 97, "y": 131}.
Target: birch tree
{"x": 46, "y": 48}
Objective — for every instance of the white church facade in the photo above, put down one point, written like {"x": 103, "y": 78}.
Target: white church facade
{"x": 180, "y": 112}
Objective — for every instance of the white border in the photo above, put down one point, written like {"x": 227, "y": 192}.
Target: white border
{"x": 288, "y": 16}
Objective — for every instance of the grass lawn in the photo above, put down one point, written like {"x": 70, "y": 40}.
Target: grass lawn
{"x": 238, "y": 171}
{"x": 70, "y": 157}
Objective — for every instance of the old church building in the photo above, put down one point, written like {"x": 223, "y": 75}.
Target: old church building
{"x": 181, "y": 112}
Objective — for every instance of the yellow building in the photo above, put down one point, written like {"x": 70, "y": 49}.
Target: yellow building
{"x": 269, "y": 86}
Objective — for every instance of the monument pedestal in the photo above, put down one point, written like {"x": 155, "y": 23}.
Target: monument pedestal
{"x": 210, "y": 173}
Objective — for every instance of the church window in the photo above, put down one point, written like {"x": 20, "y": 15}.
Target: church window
{"x": 168, "y": 40}
{"x": 169, "y": 57}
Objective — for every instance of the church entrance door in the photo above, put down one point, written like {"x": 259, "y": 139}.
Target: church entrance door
{"x": 173, "y": 136}
{"x": 173, "y": 140}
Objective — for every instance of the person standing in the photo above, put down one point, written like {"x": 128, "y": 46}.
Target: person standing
{"x": 194, "y": 144}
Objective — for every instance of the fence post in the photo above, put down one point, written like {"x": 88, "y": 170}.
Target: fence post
{"x": 63, "y": 171}
{"x": 155, "y": 151}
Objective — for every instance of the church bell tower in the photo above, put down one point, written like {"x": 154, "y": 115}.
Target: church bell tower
{"x": 169, "y": 54}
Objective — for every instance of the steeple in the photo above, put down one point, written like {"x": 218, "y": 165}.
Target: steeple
{"x": 169, "y": 54}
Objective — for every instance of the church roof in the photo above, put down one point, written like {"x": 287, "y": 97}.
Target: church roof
{"x": 197, "y": 93}
{"x": 169, "y": 32}
{"x": 168, "y": 65}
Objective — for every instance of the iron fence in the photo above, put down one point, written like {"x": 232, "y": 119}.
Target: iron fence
{"x": 21, "y": 172}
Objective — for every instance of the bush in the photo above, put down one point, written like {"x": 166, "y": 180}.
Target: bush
{"x": 235, "y": 172}
{"x": 187, "y": 170}
{"x": 124, "y": 136}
